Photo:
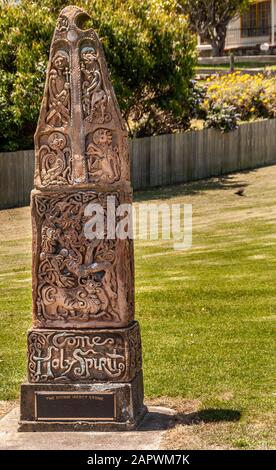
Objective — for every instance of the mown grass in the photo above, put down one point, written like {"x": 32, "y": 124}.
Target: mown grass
{"x": 207, "y": 314}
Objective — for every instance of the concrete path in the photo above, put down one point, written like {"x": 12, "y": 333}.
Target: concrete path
{"x": 147, "y": 437}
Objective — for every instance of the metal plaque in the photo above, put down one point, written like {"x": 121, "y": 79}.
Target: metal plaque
{"x": 75, "y": 406}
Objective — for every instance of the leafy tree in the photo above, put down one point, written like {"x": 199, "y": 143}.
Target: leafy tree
{"x": 210, "y": 18}
{"x": 24, "y": 46}
{"x": 149, "y": 49}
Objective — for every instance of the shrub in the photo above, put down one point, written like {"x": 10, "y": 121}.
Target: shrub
{"x": 253, "y": 96}
{"x": 224, "y": 118}
{"x": 149, "y": 48}
{"x": 196, "y": 99}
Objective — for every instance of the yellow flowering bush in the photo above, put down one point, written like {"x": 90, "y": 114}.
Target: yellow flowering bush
{"x": 253, "y": 96}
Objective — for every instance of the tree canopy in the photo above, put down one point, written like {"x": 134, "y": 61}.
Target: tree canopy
{"x": 210, "y": 18}
{"x": 149, "y": 50}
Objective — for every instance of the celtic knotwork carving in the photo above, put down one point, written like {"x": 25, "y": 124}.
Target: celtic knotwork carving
{"x": 77, "y": 277}
{"x": 36, "y": 344}
{"x": 135, "y": 349}
{"x": 59, "y": 97}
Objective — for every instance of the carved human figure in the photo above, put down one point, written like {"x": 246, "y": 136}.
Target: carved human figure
{"x": 58, "y": 114}
{"x": 55, "y": 160}
{"x": 103, "y": 157}
{"x": 95, "y": 98}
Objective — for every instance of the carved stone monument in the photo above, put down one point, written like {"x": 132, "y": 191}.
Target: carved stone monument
{"x": 84, "y": 350}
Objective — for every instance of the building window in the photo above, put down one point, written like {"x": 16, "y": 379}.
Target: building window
{"x": 256, "y": 21}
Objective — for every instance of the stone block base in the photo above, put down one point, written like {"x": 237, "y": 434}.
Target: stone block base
{"x": 82, "y": 407}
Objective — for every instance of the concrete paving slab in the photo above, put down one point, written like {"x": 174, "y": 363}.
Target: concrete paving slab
{"x": 147, "y": 437}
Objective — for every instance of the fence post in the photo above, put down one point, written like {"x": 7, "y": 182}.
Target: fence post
{"x": 232, "y": 62}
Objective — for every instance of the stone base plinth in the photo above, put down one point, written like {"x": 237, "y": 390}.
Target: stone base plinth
{"x": 82, "y": 407}
{"x": 83, "y": 380}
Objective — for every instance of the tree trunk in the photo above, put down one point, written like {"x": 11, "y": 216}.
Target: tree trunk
{"x": 218, "y": 39}
{"x": 218, "y": 49}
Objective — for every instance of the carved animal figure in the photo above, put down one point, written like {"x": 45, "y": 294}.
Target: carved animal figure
{"x": 82, "y": 302}
{"x": 55, "y": 161}
{"x": 103, "y": 162}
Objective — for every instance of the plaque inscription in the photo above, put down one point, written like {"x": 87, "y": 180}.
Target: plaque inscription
{"x": 70, "y": 406}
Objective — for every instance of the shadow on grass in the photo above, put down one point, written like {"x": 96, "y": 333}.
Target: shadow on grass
{"x": 155, "y": 420}
{"x": 211, "y": 415}
{"x": 226, "y": 182}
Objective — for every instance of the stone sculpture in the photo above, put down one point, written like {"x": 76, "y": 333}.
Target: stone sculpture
{"x": 84, "y": 348}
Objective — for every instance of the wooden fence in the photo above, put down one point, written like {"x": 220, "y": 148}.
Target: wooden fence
{"x": 163, "y": 160}
{"x": 253, "y": 59}
{"x": 16, "y": 178}
{"x": 178, "y": 158}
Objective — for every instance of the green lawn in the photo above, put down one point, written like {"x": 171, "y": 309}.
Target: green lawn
{"x": 207, "y": 314}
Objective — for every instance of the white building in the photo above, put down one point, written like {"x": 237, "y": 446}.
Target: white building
{"x": 249, "y": 30}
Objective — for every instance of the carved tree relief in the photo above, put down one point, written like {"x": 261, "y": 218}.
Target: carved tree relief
{"x": 78, "y": 280}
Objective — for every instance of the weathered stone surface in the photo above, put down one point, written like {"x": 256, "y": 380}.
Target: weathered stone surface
{"x": 78, "y": 282}
{"x": 81, "y": 137}
{"x": 85, "y": 342}
{"x": 128, "y": 398}
{"x": 76, "y": 356}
